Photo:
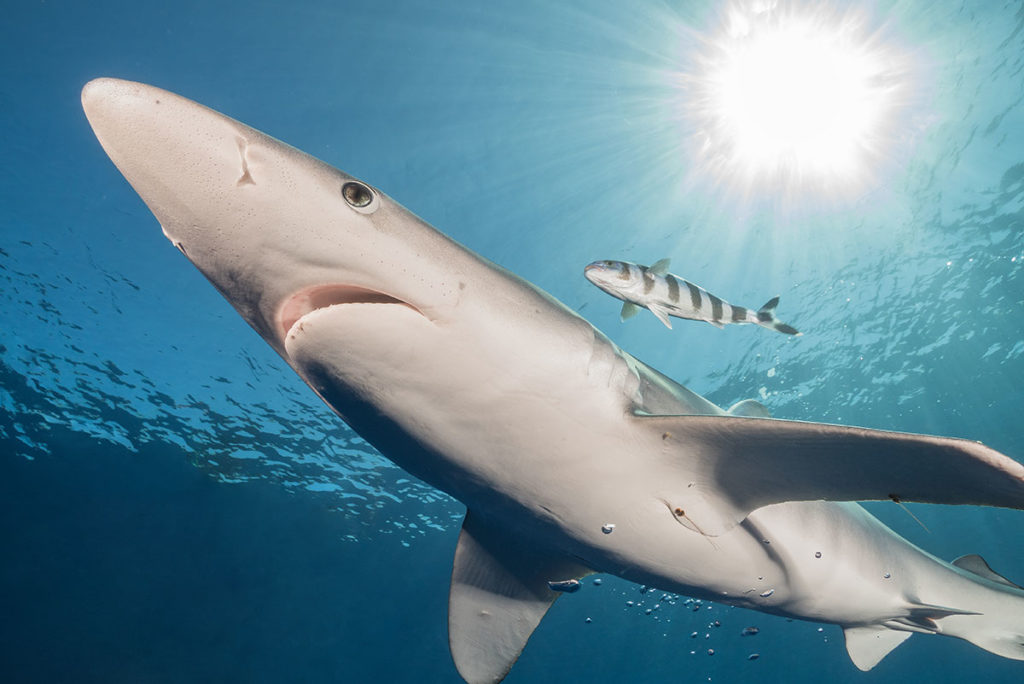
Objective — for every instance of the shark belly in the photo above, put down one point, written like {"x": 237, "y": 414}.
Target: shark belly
{"x": 546, "y": 482}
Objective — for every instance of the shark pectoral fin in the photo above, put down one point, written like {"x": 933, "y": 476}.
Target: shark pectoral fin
{"x": 629, "y": 309}
{"x": 731, "y": 466}
{"x": 661, "y": 313}
{"x": 749, "y": 408}
{"x": 868, "y": 644}
{"x": 499, "y": 594}
{"x": 718, "y": 324}
{"x": 659, "y": 267}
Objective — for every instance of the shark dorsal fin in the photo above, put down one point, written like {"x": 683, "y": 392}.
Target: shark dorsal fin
{"x": 499, "y": 594}
{"x": 730, "y": 466}
{"x": 977, "y": 565}
{"x": 659, "y": 267}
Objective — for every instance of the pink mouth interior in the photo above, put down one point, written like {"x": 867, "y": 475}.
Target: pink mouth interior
{"x": 323, "y": 296}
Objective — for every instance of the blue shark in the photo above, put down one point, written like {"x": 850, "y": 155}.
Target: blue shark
{"x": 571, "y": 456}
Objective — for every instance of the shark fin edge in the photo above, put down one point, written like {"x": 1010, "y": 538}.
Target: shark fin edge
{"x": 499, "y": 593}
{"x": 629, "y": 309}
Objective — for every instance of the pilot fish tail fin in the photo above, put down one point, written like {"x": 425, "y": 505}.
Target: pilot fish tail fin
{"x": 766, "y": 319}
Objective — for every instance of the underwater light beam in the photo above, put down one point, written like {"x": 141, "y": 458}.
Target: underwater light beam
{"x": 786, "y": 94}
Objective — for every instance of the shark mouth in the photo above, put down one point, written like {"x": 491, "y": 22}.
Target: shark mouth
{"x": 323, "y": 296}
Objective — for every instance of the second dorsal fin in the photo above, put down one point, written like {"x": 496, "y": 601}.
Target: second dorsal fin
{"x": 977, "y": 565}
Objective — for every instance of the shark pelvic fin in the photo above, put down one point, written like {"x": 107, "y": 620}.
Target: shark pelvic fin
{"x": 868, "y": 644}
{"x": 730, "y": 466}
{"x": 499, "y": 594}
{"x": 659, "y": 267}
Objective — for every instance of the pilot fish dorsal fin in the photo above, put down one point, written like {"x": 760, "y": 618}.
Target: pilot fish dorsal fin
{"x": 499, "y": 593}
{"x": 659, "y": 267}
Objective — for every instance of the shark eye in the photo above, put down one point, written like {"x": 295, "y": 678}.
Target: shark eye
{"x": 357, "y": 194}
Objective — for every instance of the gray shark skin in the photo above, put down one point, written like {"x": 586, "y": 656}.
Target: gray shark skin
{"x": 570, "y": 455}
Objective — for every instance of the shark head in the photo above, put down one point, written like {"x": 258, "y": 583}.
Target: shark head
{"x": 279, "y": 233}
{"x": 353, "y": 290}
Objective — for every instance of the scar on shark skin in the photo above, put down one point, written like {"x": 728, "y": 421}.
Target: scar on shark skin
{"x": 246, "y": 178}
{"x": 678, "y": 513}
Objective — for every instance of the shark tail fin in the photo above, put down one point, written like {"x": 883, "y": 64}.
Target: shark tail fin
{"x": 766, "y": 319}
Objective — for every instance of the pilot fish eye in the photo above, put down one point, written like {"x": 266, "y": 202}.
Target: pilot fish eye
{"x": 357, "y": 194}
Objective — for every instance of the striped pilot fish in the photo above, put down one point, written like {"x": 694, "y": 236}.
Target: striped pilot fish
{"x": 664, "y": 295}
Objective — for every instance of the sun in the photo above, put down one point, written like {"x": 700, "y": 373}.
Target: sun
{"x": 786, "y": 94}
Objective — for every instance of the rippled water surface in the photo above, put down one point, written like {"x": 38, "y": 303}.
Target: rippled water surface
{"x": 178, "y": 506}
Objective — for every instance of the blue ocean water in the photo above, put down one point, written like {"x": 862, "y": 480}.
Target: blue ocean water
{"x": 178, "y": 506}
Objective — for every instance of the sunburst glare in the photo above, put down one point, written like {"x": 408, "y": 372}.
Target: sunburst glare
{"x": 785, "y": 97}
